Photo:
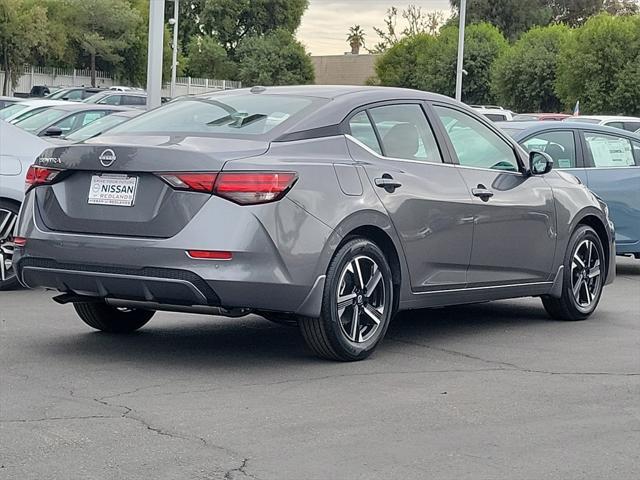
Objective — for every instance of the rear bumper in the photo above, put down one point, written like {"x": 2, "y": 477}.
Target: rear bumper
{"x": 276, "y": 265}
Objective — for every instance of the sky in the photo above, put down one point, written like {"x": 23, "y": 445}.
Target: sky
{"x": 326, "y": 23}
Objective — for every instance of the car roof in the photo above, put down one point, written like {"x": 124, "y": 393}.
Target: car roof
{"x": 331, "y": 92}
{"x": 43, "y": 102}
{"x": 335, "y": 101}
{"x": 524, "y": 129}
{"x": 606, "y": 118}
{"x": 78, "y": 107}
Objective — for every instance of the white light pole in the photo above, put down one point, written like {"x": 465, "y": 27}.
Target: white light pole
{"x": 460, "y": 68}
{"x": 174, "y": 59}
{"x": 154, "y": 53}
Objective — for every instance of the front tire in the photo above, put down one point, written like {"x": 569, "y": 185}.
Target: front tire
{"x": 110, "y": 319}
{"x": 357, "y": 304}
{"x": 584, "y": 273}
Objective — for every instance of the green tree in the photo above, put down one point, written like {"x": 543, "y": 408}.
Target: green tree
{"x": 23, "y": 30}
{"x": 397, "y": 67}
{"x": 524, "y": 76}
{"x": 103, "y": 29}
{"x": 273, "y": 59}
{"x": 512, "y": 17}
{"x": 206, "y": 58}
{"x": 598, "y": 65}
{"x": 230, "y": 21}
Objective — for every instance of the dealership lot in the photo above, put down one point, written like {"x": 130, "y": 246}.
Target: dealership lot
{"x": 487, "y": 391}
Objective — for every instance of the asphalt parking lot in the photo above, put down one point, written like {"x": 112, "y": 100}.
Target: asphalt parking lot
{"x": 480, "y": 392}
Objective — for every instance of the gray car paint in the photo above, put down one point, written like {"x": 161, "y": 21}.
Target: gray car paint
{"x": 282, "y": 249}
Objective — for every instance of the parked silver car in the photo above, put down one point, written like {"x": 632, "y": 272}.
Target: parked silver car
{"x": 327, "y": 207}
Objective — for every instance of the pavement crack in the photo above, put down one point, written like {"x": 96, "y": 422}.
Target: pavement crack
{"x": 513, "y": 366}
{"x": 242, "y": 469}
{"x": 47, "y": 419}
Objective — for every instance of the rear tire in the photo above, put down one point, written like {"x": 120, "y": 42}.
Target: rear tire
{"x": 583, "y": 277}
{"x": 110, "y": 319}
{"x": 357, "y": 304}
{"x": 8, "y": 220}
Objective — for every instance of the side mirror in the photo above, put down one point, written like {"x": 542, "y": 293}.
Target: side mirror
{"x": 52, "y": 132}
{"x": 540, "y": 163}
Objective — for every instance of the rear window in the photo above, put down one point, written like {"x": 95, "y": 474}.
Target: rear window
{"x": 12, "y": 110}
{"x": 247, "y": 114}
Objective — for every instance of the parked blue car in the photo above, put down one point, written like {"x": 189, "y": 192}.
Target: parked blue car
{"x": 605, "y": 159}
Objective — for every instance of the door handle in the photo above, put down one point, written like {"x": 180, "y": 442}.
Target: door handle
{"x": 482, "y": 192}
{"x": 387, "y": 182}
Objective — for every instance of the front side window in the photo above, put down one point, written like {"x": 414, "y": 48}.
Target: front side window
{"x": 405, "y": 133}
{"x": 475, "y": 144}
{"x": 73, "y": 122}
{"x": 362, "y": 130}
{"x": 558, "y": 145}
{"x": 609, "y": 151}
{"x": 111, "y": 100}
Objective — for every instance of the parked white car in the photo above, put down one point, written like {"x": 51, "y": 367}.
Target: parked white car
{"x": 18, "y": 150}
{"x": 22, "y": 110}
{"x": 494, "y": 112}
{"x": 630, "y": 124}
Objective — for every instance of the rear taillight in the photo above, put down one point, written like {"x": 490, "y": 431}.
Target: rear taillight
{"x": 197, "y": 182}
{"x": 251, "y": 188}
{"x": 37, "y": 175}
{"x": 245, "y": 188}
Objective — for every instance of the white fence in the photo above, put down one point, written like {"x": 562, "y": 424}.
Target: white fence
{"x": 57, "y": 77}
{"x": 69, "y": 77}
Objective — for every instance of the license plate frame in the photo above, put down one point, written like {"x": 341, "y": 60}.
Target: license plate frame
{"x": 123, "y": 193}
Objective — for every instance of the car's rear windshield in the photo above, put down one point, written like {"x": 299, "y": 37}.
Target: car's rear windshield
{"x": 583, "y": 120}
{"x": 242, "y": 114}
{"x": 12, "y": 110}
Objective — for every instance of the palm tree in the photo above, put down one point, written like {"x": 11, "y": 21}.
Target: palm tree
{"x": 355, "y": 38}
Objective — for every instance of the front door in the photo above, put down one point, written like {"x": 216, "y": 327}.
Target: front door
{"x": 514, "y": 214}
{"x": 426, "y": 199}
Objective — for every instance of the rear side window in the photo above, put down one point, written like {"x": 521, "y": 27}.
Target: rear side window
{"x": 559, "y": 145}
{"x": 609, "y": 151}
{"x": 133, "y": 100}
{"x": 362, "y": 130}
{"x": 631, "y": 126}
{"x": 236, "y": 114}
{"x": 405, "y": 133}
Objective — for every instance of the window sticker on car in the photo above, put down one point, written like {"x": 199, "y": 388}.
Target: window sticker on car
{"x": 610, "y": 151}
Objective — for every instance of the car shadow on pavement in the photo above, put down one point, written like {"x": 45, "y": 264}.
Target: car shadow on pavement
{"x": 187, "y": 341}
{"x": 627, "y": 266}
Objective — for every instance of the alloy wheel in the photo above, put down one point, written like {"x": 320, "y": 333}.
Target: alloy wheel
{"x": 361, "y": 299}
{"x": 586, "y": 278}
{"x": 8, "y": 220}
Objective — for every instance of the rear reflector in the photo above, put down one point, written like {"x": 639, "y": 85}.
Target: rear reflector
{"x": 19, "y": 241}
{"x": 39, "y": 176}
{"x": 197, "y": 182}
{"x": 251, "y": 188}
{"x": 209, "y": 255}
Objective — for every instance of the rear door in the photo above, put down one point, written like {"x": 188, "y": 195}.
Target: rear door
{"x": 614, "y": 174}
{"x": 425, "y": 197}
{"x": 515, "y": 222}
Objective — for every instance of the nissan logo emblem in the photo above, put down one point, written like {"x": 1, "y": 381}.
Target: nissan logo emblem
{"x": 107, "y": 158}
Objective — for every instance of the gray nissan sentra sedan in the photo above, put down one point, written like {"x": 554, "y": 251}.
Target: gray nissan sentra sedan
{"x": 331, "y": 208}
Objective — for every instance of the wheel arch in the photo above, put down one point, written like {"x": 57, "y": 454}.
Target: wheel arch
{"x": 595, "y": 222}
